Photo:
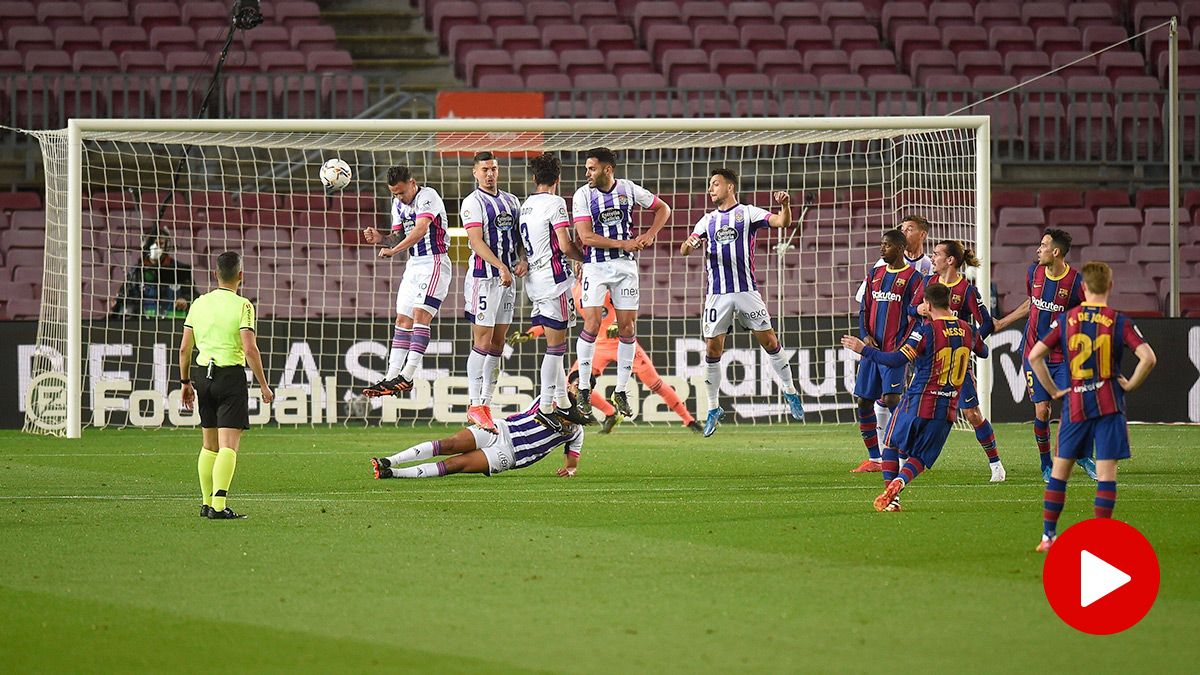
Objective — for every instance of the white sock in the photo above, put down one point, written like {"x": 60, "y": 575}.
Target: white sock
{"x": 883, "y": 415}
{"x": 426, "y": 450}
{"x": 585, "y": 349}
{"x": 430, "y": 470}
{"x": 783, "y": 370}
{"x": 712, "y": 378}
{"x": 560, "y": 390}
{"x": 625, "y": 352}
{"x": 475, "y": 377}
{"x": 552, "y": 366}
{"x": 491, "y": 373}
{"x": 401, "y": 339}
{"x": 416, "y": 352}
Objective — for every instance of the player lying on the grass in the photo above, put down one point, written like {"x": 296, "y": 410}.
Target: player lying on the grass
{"x": 949, "y": 256}
{"x": 603, "y": 216}
{"x": 727, "y": 235}
{"x": 940, "y": 350}
{"x": 519, "y": 441}
{"x": 1053, "y": 287}
{"x": 1094, "y": 337}
{"x": 883, "y": 322}
{"x": 419, "y": 227}
{"x": 606, "y": 352}
{"x": 489, "y": 216}
{"x": 546, "y": 233}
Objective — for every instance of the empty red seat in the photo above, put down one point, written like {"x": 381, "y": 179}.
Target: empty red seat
{"x": 543, "y": 13}
{"x": 710, "y": 37}
{"x": 1148, "y": 14}
{"x": 199, "y": 14}
{"x": 589, "y": 13}
{"x": 1058, "y": 38}
{"x": 167, "y": 39}
{"x": 514, "y": 39}
{"x": 74, "y": 38}
{"x": 1087, "y": 64}
{"x": 608, "y": 36}
{"x": 142, "y": 62}
{"x": 1006, "y": 123}
{"x": 566, "y": 37}
{"x": 486, "y": 62}
{"x": 842, "y": 82}
{"x": 1105, "y": 198}
{"x": 582, "y": 61}
{"x": 336, "y": 60}
{"x": 821, "y": 62}
{"x": 1147, "y": 198}
{"x": 313, "y": 38}
{"x": 853, "y": 37}
{"x": 447, "y": 15}
{"x": 727, "y": 62}
{"x": 188, "y": 62}
{"x": 943, "y": 14}
{"x": 1091, "y": 125}
{"x": 889, "y": 82}
{"x": 534, "y": 61}
{"x": 1100, "y": 36}
{"x": 16, "y": 14}
{"x": 30, "y": 38}
{"x": 57, "y": 14}
{"x": 1005, "y": 39}
{"x": 1044, "y": 127}
{"x": 291, "y": 14}
{"x": 95, "y": 61}
{"x": 805, "y": 37}
{"x": 10, "y": 61}
{"x": 649, "y": 14}
{"x": 678, "y": 62}
{"x": 1139, "y": 128}
{"x": 1158, "y": 42}
{"x": 47, "y": 61}
{"x": 976, "y": 63}
{"x": 927, "y": 62}
{"x": 993, "y": 14}
{"x": 1117, "y": 63}
{"x": 1024, "y": 65}
{"x": 702, "y": 13}
{"x": 758, "y": 37}
{"x": 834, "y": 14}
{"x": 752, "y": 14}
{"x": 267, "y": 39}
{"x": 897, "y": 14}
{"x": 1189, "y": 64}
{"x": 1038, "y": 15}
{"x": 546, "y": 82}
{"x": 643, "y": 81}
{"x": 286, "y": 62}
{"x": 661, "y": 38}
{"x": 625, "y": 61}
{"x": 962, "y": 38}
{"x": 150, "y": 15}
{"x": 910, "y": 39}
{"x": 1086, "y": 14}
{"x": 774, "y": 62}
{"x": 868, "y": 62}
{"x": 788, "y": 14}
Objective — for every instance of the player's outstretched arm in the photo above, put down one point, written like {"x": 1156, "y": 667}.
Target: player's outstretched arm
{"x": 570, "y": 465}
{"x": 1146, "y": 362}
{"x": 1013, "y": 316}
{"x": 1037, "y": 361}
{"x": 420, "y": 229}
{"x": 784, "y": 217}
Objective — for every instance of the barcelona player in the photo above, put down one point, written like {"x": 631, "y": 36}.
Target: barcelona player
{"x": 949, "y": 256}
{"x": 1094, "y": 336}
{"x": 1053, "y": 288}
{"x": 940, "y": 350}
{"x": 883, "y": 322}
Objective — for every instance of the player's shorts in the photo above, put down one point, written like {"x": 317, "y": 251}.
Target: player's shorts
{"x": 721, "y": 308}
{"x": 968, "y": 393}
{"x": 1058, "y": 373}
{"x": 917, "y": 436}
{"x": 557, "y": 313}
{"x": 875, "y": 381}
{"x": 425, "y": 284}
{"x": 223, "y": 400}
{"x": 496, "y": 447}
{"x": 618, "y": 277}
{"x": 1107, "y": 435}
{"x": 488, "y": 302}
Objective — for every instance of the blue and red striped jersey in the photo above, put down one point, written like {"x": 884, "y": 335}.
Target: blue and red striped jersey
{"x": 1094, "y": 337}
{"x": 883, "y": 313}
{"x": 940, "y": 350}
{"x": 965, "y": 302}
{"x": 1048, "y": 299}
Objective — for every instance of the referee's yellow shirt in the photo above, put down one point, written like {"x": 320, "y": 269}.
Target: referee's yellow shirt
{"x": 218, "y": 318}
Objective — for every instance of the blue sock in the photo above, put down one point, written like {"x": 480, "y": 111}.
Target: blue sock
{"x": 867, "y": 427}
{"x": 1041, "y": 434}
{"x": 1052, "y": 505}
{"x": 987, "y": 440}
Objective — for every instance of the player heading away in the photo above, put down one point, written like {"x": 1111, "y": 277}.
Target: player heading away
{"x": 1053, "y": 288}
{"x": 603, "y": 216}
{"x": 490, "y": 217}
{"x": 949, "y": 257}
{"x": 1093, "y": 336}
{"x": 727, "y": 235}
{"x": 546, "y": 236}
{"x": 940, "y": 350}
{"x": 883, "y": 322}
{"x": 419, "y": 227}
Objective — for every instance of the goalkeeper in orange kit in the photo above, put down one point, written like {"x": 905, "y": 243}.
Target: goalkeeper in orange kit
{"x": 606, "y": 353}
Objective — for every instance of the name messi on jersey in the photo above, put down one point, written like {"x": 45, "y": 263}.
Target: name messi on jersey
{"x": 886, "y": 296}
{"x": 954, "y": 331}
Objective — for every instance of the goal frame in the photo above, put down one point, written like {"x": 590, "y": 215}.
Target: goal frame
{"x": 76, "y": 128}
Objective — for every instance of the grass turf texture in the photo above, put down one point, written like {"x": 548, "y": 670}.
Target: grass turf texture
{"x": 754, "y": 550}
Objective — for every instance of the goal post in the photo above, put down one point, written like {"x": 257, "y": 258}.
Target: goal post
{"x": 326, "y": 303}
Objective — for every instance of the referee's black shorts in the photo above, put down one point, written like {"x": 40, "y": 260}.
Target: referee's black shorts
{"x": 224, "y": 400}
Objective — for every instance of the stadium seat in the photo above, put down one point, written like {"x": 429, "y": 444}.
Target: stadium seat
{"x": 1105, "y": 198}
{"x": 588, "y": 14}
{"x": 447, "y": 15}
{"x": 1140, "y": 129}
{"x": 1006, "y": 123}
{"x": 944, "y": 14}
{"x": 834, "y": 14}
{"x": 821, "y": 62}
{"x": 649, "y": 14}
{"x": 10, "y": 61}
{"x": 543, "y": 13}
{"x": 964, "y": 38}
{"x": 1043, "y": 126}
{"x": 535, "y": 61}
{"x": 788, "y": 14}
{"x": 566, "y": 37}
{"x": 1084, "y": 15}
{"x": 643, "y": 81}
{"x": 266, "y": 39}
{"x": 515, "y": 39}
{"x": 200, "y": 14}
{"x": 774, "y": 62}
{"x": 745, "y": 14}
{"x": 627, "y": 61}
{"x": 142, "y": 62}
{"x": 74, "y": 38}
{"x": 1148, "y": 14}
{"x": 994, "y": 83}
{"x": 1110, "y": 217}
{"x": 47, "y": 61}
{"x": 59, "y": 14}
{"x": 890, "y": 82}
{"x": 677, "y": 62}
{"x": 929, "y": 62}
{"x": 30, "y": 38}
{"x": 188, "y": 62}
{"x": 314, "y": 38}
{"x": 1147, "y": 198}
{"x": 487, "y": 61}
{"x": 150, "y": 15}
{"x": 1038, "y": 15}
{"x": 661, "y": 38}
{"x": 1114, "y": 64}
{"x": 1024, "y": 65}
{"x": 1088, "y": 66}
{"x": 759, "y": 37}
{"x": 854, "y": 37}
{"x": 911, "y": 39}
{"x": 1158, "y": 42}
{"x": 710, "y": 37}
{"x": 547, "y": 82}
{"x": 993, "y": 14}
{"x": 329, "y": 61}
{"x": 1058, "y": 38}
{"x": 607, "y": 37}
{"x": 582, "y": 62}
{"x": 1100, "y": 36}
{"x": 292, "y": 14}
{"x": 702, "y": 13}
{"x": 1189, "y": 64}
{"x": 975, "y": 63}
{"x": 727, "y": 62}
{"x": 868, "y": 62}
{"x": 14, "y": 14}
{"x": 460, "y": 40}
{"x": 285, "y": 62}
{"x": 898, "y": 14}
{"x": 1005, "y": 39}
{"x": 90, "y": 61}
{"x": 167, "y": 39}
{"x": 806, "y": 37}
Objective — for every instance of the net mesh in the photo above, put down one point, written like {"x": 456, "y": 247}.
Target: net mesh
{"x": 326, "y": 301}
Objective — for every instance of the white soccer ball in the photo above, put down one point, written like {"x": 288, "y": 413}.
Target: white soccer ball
{"x": 335, "y": 175}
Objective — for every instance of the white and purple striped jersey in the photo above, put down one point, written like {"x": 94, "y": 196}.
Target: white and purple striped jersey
{"x": 729, "y": 243}
{"x": 427, "y": 204}
{"x": 542, "y": 215}
{"x": 497, "y": 215}
{"x": 611, "y": 215}
{"x": 922, "y": 263}
{"x": 531, "y": 441}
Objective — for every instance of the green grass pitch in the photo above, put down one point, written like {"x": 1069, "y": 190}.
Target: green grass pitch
{"x": 752, "y": 551}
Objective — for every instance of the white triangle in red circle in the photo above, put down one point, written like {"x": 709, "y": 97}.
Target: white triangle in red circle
{"x": 1097, "y": 578}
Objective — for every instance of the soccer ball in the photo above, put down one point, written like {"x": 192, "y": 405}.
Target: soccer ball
{"x": 335, "y": 175}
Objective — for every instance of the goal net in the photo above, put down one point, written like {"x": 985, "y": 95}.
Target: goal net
{"x": 138, "y": 210}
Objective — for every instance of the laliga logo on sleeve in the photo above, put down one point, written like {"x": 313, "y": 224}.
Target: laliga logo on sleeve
{"x": 1101, "y": 576}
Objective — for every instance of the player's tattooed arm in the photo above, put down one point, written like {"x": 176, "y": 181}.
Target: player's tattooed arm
{"x": 420, "y": 229}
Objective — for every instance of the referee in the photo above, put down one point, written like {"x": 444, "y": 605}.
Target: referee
{"x": 221, "y": 324}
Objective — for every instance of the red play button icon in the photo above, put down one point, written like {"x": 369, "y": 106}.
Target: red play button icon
{"x": 1101, "y": 576}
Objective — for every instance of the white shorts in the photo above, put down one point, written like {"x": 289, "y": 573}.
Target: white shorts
{"x": 720, "y": 309}
{"x": 557, "y": 313}
{"x": 425, "y": 284}
{"x": 488, "y": 303}
{"x": 496, "y": 447}
{"x": 618, "y": 277}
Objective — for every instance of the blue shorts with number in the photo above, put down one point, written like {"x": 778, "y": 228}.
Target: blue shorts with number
{"x": 1058, "y": 373}
{"x": 875, "y": 380}
{"x": 1108, "y": 435}
{"x": 918, "y": 437}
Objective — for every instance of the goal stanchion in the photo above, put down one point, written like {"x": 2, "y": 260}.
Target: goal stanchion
{"x": 117, "y": 278}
